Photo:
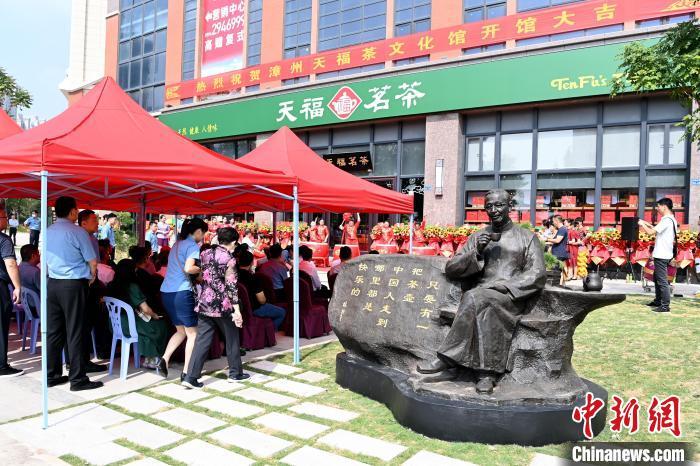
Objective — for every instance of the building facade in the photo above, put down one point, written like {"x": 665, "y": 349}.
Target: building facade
{"x": 443, "y": 99}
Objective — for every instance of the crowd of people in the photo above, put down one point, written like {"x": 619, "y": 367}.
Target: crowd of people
{"x": 563, "y": 237}
{"x": 181, "y": 285}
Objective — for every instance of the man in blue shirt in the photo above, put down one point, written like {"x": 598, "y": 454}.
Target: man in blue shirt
{"x": 34, "y": 225}
{"x": 72, "y": 264}
{"x": 107, "y": 230}
{"x": 152, "y": 236}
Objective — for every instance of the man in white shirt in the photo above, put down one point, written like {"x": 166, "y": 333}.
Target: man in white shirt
{"x": 307, "y": 265}
{"x": 665, "y": 231}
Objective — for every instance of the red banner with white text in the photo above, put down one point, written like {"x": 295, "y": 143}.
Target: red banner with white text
{"x": 222, "y": 28}
{"x": 551, "y": 21}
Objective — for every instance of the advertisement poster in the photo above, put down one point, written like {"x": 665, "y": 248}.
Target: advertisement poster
{"x": 223, "y": 26}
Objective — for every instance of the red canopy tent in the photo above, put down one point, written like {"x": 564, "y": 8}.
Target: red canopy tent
{"x": 107, "y": 151}
{"x": 8, "y": 127}
{"x": 322, "y": 187}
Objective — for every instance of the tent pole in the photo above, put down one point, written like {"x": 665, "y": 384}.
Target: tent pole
{"x": 42, "y": 298}
{"x": 141, "y": 220}
{"x": 295, "y": 279}
{"x": 274, "y": 227}
{"x": 410, "y": 234}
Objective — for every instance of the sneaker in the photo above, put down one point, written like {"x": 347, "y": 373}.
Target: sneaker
{"x": 162, "y": 368}
{"x": 8, "y": 372}
{"x": 89, "y": 385}
{"x": 239, "y": 377}
{"x": 654, "y": 304}
{"x": 191, "y": 382}
{"x": 661, "y": 309}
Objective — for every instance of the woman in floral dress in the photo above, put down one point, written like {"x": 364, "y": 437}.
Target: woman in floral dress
{"x": 217, "y": 306}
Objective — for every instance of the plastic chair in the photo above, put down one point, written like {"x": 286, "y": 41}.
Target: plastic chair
{"x": 18, "y": 311}
{"x": 115, "y": 308}
{"x": 30, "y": 299}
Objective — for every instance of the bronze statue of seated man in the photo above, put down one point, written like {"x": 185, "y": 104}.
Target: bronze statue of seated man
{"x": 500, "y": 268}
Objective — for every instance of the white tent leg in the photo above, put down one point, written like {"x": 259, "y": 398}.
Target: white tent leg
{"x": 410, "y": 234}
{"x": 295, "y": 279}
{"x": 43, "y": 300}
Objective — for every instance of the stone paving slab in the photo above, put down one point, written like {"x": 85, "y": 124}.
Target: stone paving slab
{"x": 230, "y": 407}
{"x": 324, "y": 412}
{"x": 258, "y": 443}
{"x": 221, "y": 385}
{"x": 310, "y": 456}
{"x": 426, "y": 457}
{"x": 291, "y": 425}
{"x": 362, "y": 444}
{"x": 147, "y": 462}
{"x": 105, "y": 453}
{"x": 265, "y": 397}
{"x": 295, "y": 388}
{"x": 138, "y": 403}
{"x": 178, "y": 392}
{"x": 189, "y": 420}
{"x": 274, "y": 367}
{"x": 200, "y": 453}
{"x": 257, "y": 377}
{"x": 311, "y": 376}
{"x": 145, "y": 434}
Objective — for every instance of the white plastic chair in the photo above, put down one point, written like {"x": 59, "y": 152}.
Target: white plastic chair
{"x": 115, "y": 308}
{"x": 19, "y": 312}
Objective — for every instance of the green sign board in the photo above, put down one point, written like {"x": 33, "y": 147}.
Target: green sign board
{"x": 544, "y": 76}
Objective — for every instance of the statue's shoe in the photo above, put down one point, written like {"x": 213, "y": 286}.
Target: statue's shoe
{"x": 433, "y": 367}
{"x": 485, "y": 385}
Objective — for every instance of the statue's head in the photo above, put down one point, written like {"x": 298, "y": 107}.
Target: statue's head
{"x": 498, "y": 205}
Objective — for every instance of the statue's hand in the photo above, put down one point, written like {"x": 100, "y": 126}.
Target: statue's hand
{"x": 482, "y": 241}
{"x": 500, "y": 288}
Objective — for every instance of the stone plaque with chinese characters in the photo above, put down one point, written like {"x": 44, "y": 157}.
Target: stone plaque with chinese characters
{"x": 390, "y": 300}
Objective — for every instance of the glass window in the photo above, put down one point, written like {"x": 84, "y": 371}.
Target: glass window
{"x": 477, "y": 10}
{"x": 519, "y": 187}
{"x": 622, "y": 111}
{"x": 135, "y": 74}
{"x": 161, "y": 14}
{"x": 352, "y": 135}
{"x": 566, "y": 149}
{"x": 557, "y": 117}
{"x": 148, "y": 71}
{"x": 413, "y": 158}
{"x": 189, "y": 39}
{"x": 297, "y": 28}
{"x": 621, "y": 146}
{"x": 385, "y": 159}
{"x": 665, "y": 178}
{"x": 149, "y": 16}
{"x": 515, "y": 121}
{"x": 124, "y": 51}
{"x": 254, "y": 34}
{"x": 566, "y": 181}
{"x": 677, "y": 144}
{"x": 524, "y": 5}
{"x": 666, "y": 109}
{"x": 620, "y": 179}
{"x": 516, "y": 152}
{"x": 481, "y": 123}
{"x": 481, "y": 153}
{"x": 318, "y": 139}
{"x": 387, "y": 132}
{"x": 656, "y": 144}
{"x": 411, "y": 17}
{"x": 124, "y": 76}
{"x": 360, "y": 21}
{"x": 413, "y": 130}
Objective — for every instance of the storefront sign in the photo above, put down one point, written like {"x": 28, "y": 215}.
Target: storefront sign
{"x": 459, "y": 87}
{"x": 561, "y": 19}
{"x": 350, "y": 161}
{"x": 222, "y": 37}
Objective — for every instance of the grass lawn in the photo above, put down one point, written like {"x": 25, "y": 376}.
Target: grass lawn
{"x": 625, "y": 348}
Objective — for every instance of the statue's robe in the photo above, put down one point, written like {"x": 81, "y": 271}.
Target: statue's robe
{"x": 482, "y": 331}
